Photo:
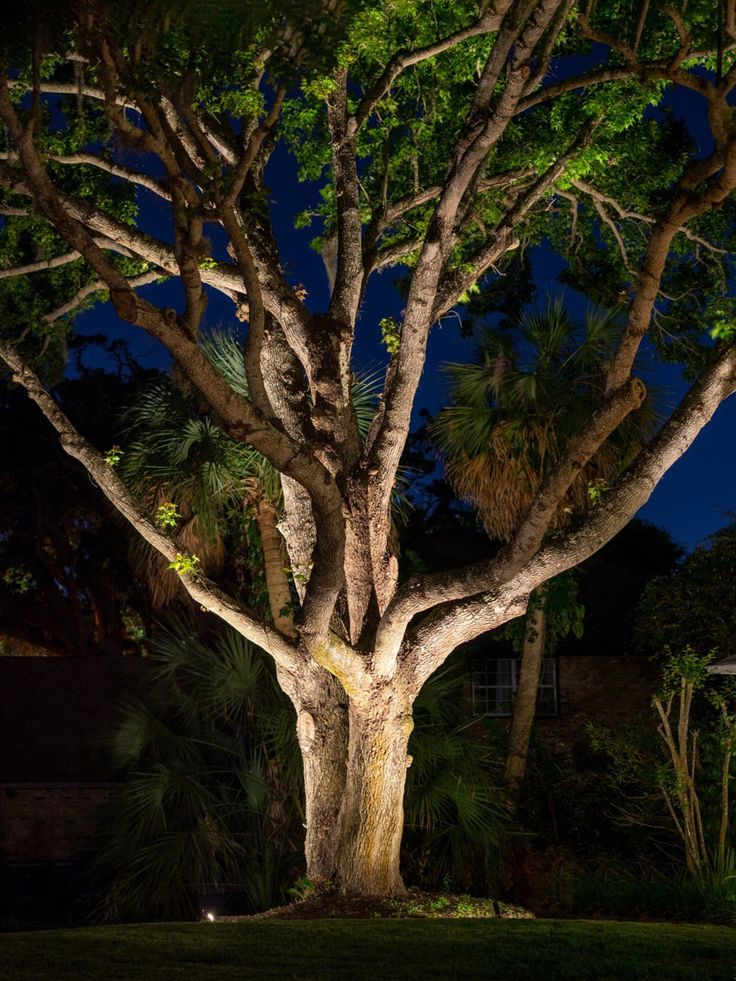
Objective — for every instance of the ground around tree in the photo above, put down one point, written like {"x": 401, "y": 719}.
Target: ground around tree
{"x": 415, "y": 905}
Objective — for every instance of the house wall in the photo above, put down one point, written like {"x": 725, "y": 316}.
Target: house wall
{"x": 605, "y": 690}
{"x": 48, "y": 823}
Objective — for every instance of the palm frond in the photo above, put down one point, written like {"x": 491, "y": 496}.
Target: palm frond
{"x": 224, "y": 350}
{"x": 516, "y": 409}
{"x": 200, "y": 788}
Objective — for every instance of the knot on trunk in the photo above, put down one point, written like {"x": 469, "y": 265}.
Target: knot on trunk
{"x": 306, "y": 730}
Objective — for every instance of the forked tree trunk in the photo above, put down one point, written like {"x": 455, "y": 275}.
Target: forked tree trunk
{"x": 525, "y": 701}
{"x": 355, "y": 761}
{"x": 372, "y": 815}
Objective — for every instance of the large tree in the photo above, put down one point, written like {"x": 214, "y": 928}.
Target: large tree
{"x": 444, "y": 137}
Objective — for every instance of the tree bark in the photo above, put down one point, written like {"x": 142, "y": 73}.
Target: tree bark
{"x": 525, "y": 699}
{"x": 322, "y": 732}
{"x": 372, "y": 815}
{"x": 277, "y": 583}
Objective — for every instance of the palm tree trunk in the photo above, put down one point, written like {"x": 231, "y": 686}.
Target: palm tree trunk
{"x": 525, "y": 700}
{"x": 277, "y": 582}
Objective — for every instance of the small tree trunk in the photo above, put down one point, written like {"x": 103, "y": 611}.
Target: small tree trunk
{"x": 372, "y": 816}
{"x": 525, "y": 700}
{"x": 277, "y": 583}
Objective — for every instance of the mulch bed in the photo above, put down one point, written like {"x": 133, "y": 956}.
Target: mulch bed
{"x": 415, "y": 905}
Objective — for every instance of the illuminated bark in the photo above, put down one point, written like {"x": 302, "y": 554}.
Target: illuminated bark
{"x": 372, "y": 814}
{"x": 525, "y": 699}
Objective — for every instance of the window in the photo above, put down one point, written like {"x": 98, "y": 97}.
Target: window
{"x": 495, "y": 680}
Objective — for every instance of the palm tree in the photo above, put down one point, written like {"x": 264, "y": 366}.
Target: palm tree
{"x": 454, "y": 818}
{"x": 190, "y": 473}
{"x": 513, "y": 412}
{"x": 212, "y": 782}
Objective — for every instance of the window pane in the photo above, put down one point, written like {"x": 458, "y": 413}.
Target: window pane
{"x": 494, "y": 682}
{"x": 547, "y": 696}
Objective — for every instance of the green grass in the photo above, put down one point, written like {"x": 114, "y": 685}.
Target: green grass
{"x": 335, "y": 950}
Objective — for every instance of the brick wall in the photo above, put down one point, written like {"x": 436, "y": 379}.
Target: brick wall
{"x": 49, "y": 823}
{"x": 604, "y": 690}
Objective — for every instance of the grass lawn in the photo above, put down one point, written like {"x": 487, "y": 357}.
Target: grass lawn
{"x": 338, "y": 950}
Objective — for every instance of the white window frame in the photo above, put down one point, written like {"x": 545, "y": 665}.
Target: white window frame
{"x": 496, "y": 700}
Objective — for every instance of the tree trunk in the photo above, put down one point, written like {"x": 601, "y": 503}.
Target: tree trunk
{"x": 277, "y": 583}
{"x": 525, "y": 699}
{"x": 372, "y": 816}
{"x": 322, "y": 732}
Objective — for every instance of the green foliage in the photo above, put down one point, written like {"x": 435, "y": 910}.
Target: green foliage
{"x": 390, "y": 334}
{"x": 449, "y": 907}
{"x": 19, "y": 579}
{"x": 696, "y": 604}
{"x": 200, "y": 752}
{"x": 597, "y": 490}
{"x": 685, "y": 665}
{"x": 176, "y": 449}
{"x": 167, "y": 515}
{"x": 113, "y": 456}
{"x": 563, "y": 612}
{"x": 453, "y": 806}
{"x": 303, "y": 888}
{"x": 184, "y": 564}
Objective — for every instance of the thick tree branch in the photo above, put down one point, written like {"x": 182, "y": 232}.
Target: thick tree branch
{"x": 72, "y": 88}
{"x": 343, "y": 307}
{"x": 90, "y": 160}
{"x": 256, "y": 314}
{"x": 687, "y": 203}
{"x": 201, "y": 590}
{"x": 597, "y": 76}
{"x": 426, "y": 648}
{"x": 392, "y": 255}
{"x": 125, "y": 173}
{"x": 463, "y": 594}
{"x": 602, "y": 423}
